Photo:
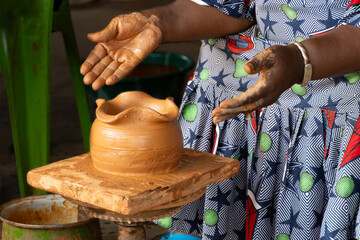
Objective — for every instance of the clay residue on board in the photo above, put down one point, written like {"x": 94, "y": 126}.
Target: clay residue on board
{"x": 130, "y": 194}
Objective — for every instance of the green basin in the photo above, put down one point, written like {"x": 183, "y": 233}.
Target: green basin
{"x": 160, "y": 85}
{"x": 46, "y": 217}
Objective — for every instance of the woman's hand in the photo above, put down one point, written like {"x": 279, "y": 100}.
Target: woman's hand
{"x": 123, "y": 44}
{"x": 280, "y": 67}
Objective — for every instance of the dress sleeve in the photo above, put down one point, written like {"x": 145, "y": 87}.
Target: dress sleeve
{"x": 234, "y": 8}
{"x": 352, "y": 14}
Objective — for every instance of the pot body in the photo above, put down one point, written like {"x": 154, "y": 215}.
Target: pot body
{"x": 46, "y": 217}
{"x": 126, "y": 149}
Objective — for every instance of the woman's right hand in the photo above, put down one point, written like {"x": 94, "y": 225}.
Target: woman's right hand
{"x": 123, "y": 44}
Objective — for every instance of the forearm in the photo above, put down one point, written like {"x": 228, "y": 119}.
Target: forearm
{"x": 334, "y": 53}
{"x": 184, "y": 20}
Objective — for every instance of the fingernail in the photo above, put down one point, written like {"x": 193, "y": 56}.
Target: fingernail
{"x": 249, "y": 67}
{"x": 83, "y": 70}
{"x": 88, "y": 79}
{"x": 108, "y": 81}
{"x": 90, "y": 36}
{"x": 96, "y": 86}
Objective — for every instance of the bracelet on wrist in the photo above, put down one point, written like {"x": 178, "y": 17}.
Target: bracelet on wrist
{"x": 307, "y": 66}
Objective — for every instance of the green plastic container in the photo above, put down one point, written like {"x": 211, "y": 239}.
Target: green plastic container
{"x": 46, "y": 217}
{"x": 161, "y": 86}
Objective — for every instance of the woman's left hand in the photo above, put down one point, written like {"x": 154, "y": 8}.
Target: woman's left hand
{"x": 280, "y": 67}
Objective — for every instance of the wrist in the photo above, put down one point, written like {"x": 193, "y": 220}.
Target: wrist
{"x": 298, "y": 63}
{"x": 306, "y": 65}
{"x": 159, "y": 19}
{"x": 153, "y": 21}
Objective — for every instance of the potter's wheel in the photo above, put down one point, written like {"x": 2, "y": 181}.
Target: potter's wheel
{"x": 131, "y": 227}
{"x": 132, "y": 200}
{"x": 75, "y": 178}
{"x": 146, "y": 216}
{"x": 142, "y": 217}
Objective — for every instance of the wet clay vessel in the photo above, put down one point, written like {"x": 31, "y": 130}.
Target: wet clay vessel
{"x": 136, "y": 133}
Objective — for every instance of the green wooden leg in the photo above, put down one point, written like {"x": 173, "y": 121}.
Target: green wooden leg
{"x": 25, "y": 28}
{"x": 63, "y": 23}
{"x": 77, "y": 79}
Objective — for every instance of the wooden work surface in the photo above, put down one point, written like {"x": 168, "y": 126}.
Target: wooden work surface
{"x": 76, "y": 178}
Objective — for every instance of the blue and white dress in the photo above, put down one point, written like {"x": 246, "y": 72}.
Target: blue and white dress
{"x": 300, "y": 157}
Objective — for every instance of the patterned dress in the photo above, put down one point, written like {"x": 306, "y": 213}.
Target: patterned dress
{"x": 300, "y": 157}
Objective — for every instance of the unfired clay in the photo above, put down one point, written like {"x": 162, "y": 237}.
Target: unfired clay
{"x": 76, "y": 178}
{"x": 136, "y": 134}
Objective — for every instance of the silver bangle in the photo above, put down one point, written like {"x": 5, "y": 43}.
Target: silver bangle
{"x": 308, "y": 67}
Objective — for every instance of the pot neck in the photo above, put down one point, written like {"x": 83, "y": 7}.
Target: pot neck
{"x": 142, "y": 110}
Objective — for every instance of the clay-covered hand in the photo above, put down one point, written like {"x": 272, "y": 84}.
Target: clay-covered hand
{"x": 123, "y": 44}
{"x": 280, "y": 67}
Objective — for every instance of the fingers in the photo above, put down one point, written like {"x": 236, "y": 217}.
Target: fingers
{"x": 98, "y": 75}
{"x": 111, "y": 75}
{"x": 252, "y": 99}
{"x": 107, "y": 71}
{"x": 123, "y": 70}
{"x": 249, "y": 100}
{"x": 128, "y": 60}
{"x": 222, "y": 113}
{"x": 95, "y": 56}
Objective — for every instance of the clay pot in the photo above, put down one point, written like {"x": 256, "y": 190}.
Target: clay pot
{"x": 136, "y": 134}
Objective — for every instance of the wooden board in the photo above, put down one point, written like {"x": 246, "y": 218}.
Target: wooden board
{"x": 129, "y": 194}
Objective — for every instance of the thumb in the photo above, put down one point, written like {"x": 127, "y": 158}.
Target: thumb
{"x": 251, "y": 68}
{"x": 105, "y": 35}
{"x": 262, "y": 61}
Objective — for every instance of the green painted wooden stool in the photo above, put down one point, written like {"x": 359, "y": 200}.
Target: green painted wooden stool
{"x": 25, "y": 48}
